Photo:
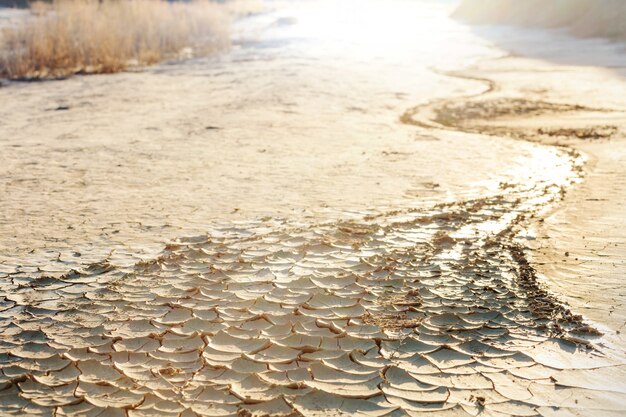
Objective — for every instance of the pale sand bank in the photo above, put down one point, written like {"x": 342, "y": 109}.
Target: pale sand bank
{"x": 588, "y": 18}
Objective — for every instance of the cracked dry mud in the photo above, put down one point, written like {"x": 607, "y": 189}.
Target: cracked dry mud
{"x": 396, "y": 314}
{"x": 431, "y": 311}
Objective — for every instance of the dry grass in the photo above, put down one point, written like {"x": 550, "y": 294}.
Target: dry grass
{"x": 87, "y": 36}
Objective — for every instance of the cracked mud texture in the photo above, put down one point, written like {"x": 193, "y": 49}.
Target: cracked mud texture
{"x": 434, "y": 311}
{"x": 406, "y": 312}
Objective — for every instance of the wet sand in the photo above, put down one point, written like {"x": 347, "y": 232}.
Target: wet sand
{"x": 272, "y": 232}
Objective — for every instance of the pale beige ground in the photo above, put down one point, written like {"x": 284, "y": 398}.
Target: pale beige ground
{"x": 93, "y": 164}
{"x": 342, "y": 286}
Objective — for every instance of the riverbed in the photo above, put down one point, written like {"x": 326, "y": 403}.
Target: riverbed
{"x": 345, "y": 213}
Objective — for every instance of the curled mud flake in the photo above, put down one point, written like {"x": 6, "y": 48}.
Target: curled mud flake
{"x": 138, "y": 344}
{"x": 64, "y": 376}
{"x": 417, "y": 365}
{"x": 278, "y": 408}
{"x": 84, "y": 408}
{"x": 172, "y": 343}
{"x": 48, "y": 396}
{"x": 445, "y": 357}
{"x": 321, "y": 372}
{"x": 152, "y": 404}
{"x": 207, "y": 395}
{"x": 219, "y": 376}
{"x": 218, "y": 358}
{"x": 534, "y": 372}
{"x": 400, "y": 379}
{"x": 255, "y": 390}
{"x": 105, "y": 395}
{"x": 360, "y": 362}
{"x": 302, "y": 342}
{"x": 34, "y": 350}
{"x": 406, "y": 347}
{"x": 518, "y": 360}
{"x": 135, "y": 328}
{"x": 456, "y": 411}
{"x": 450, "y": 321}
{"x": 371, "y": 358}
{"x": 362, "y": 390}
{"x": 277, "y": 378}
{"x": 198, "y": 326}
{"x": 436, "y": 395}
{"x": 207, "y": 408}
{"x": 434, "y": 408}
{"x": 94, "y": 371}
{"x": 223, "y": 342}
{"x": 325, "y": 301}
{"x": 321, "y": 404}
{"x": 275, "y": 354}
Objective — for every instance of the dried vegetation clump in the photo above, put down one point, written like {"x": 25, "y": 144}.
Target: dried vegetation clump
{"x": 68, "y": 37}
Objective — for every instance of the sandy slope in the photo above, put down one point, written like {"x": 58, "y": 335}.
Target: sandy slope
{"x": 589, "y": 18}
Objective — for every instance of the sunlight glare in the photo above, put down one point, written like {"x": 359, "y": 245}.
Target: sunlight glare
{"x": 370, "y": 22}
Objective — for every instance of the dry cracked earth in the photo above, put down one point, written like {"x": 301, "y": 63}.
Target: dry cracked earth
{"x": 430, "y": 311}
